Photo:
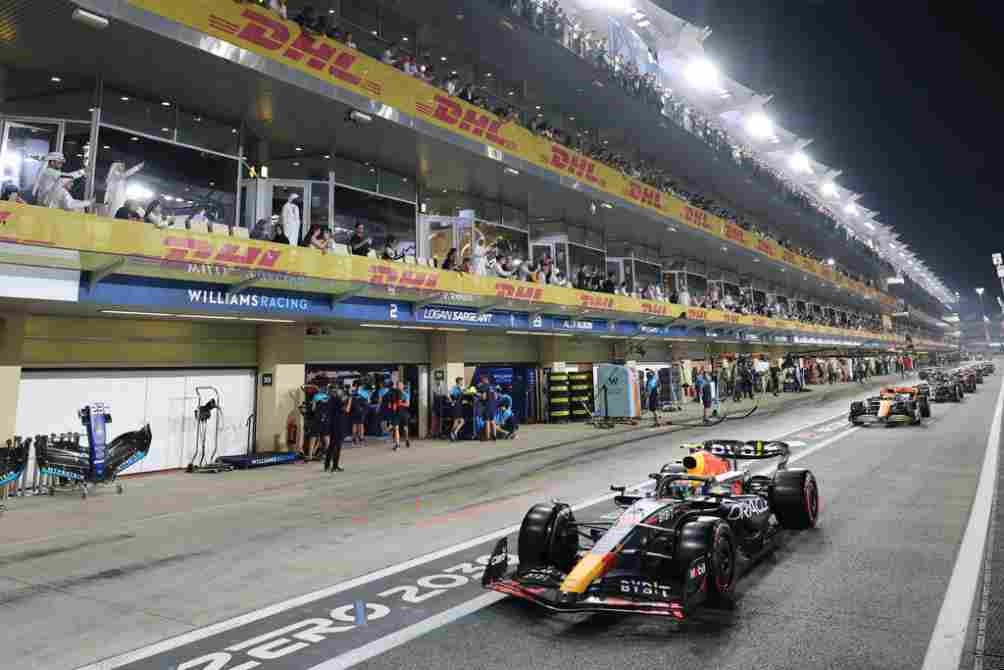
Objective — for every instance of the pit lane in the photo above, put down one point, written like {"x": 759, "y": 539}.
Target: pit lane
{"x": 874, "y": 572}
{"x": 862, "y": 591}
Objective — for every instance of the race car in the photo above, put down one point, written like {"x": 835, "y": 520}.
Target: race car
{"x": 895, "y": 404}
{"x": 943, "y": 387}
{"x": 676, "y": 545}
{"x": 966, "y": 377}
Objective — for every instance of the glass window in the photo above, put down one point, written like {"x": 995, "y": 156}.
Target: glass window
{"x": 357, "y": 175}
{"x": 646, "y": 274}
{"x": 579, "y": 257}
{"x": 154, "y": 117}
{"x": 200, "y": 131}
{"x": 514, "y": 218}
{"x": 397, "y": 186}
{"x": 319, "y": 201}
{"x": 186, "y": 181}
{"x": 25, "y": 143}
{"x": 382, "y": 218}
{"x": 697, "y": 286}
{"x": 439, "y": 236}
{"x": 507, "y": 242}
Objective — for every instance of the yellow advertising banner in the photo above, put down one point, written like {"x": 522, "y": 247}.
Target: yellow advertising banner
{"x": 99, "y": 241}
{"x": 263, "y": 32}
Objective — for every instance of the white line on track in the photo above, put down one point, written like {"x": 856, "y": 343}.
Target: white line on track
{"x": 949, "y": 637}
{"x": 398, "y": 637}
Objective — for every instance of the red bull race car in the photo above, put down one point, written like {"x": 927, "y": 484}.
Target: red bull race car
{"x": 674, "y": 546}
{"x": 893, "y": 405}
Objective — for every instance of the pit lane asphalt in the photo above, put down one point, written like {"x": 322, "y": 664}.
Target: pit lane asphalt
{"x": 200, "y": 568}
{"x": 861, "y": 591}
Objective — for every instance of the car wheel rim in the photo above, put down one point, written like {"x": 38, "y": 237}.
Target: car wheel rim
{"x": 811, "y": 500}
{"x": 724, "y": 563}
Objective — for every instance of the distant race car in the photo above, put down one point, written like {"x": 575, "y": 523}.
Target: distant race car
{"x": 893, "y": 405}
{"x": 944, "y": 387}
{"x": 683, "y": 543}
{"x": 967, "y": 377}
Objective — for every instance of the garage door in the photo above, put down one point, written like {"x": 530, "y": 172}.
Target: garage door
{"x": 49, "y": 401}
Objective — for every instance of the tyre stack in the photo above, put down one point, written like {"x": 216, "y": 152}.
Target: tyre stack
{"x": 580, "y": 388}
{"x": 558, "y": 396}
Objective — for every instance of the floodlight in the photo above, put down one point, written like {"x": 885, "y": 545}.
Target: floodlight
{"x": 759, "y": 126}
{"x": 702, "y": 74}
{"x": 829, "y": 189}
{"x": 800, "y": 162}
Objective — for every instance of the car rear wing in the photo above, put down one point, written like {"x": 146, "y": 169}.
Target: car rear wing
{"x": 750, "y": 450}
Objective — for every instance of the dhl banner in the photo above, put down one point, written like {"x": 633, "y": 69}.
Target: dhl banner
{"x": 100, "y": 241}
{"x": 262, "y": 32}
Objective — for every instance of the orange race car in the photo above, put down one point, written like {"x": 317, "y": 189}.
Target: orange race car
{"x": 893, "y": 404}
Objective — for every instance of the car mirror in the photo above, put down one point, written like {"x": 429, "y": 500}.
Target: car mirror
{"x": 618, "y": 489}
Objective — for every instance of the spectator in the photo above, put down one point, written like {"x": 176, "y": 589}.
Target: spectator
{"x": 129, "y": 212}
{"x": 155, "y": 214}
{"x": 390, "y": 249}
{"x": 350, "y": 41}
{"x": 505, "y": 269}
{"x": 11, "y": 193}
{"x": 60, "y": 198}
{"x": 316, "y": 237}
{"x": 526, "y": 272}
{"x": 610, "y": 284}
{"x": 258, "y": 232}
{"x": 279, "y": 7}
{"x": 359, "y": 245}
{"x": 387, "y": 57}
{"x": 450, "y": 262}
{"x": 480, "y": 258}
{"x": 467, "y": 266}
{"x": 306, "y": 18}
{"x": 278, "y": 232}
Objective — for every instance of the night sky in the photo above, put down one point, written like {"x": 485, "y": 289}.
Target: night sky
{"x": 904, "y": 97}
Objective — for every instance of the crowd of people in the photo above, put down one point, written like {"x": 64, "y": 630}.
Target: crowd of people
{"x": 549, "y": 17}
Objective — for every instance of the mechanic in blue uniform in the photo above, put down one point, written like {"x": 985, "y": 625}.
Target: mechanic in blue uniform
{"x": 358, "y": 406}
{"x": 652, "y": 395}
{"x": 505, "y": 421}
{"x": 385, "y": 413}
{"x": 321, "y": 424}
{"x": 456, "y": 409}
{"x": 489, "y": 406}
{"x": 400, "y": 406}
{"x": 706, "y": 395}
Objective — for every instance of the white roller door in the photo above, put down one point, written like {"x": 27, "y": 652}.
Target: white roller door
{"x": 49, "y": 401}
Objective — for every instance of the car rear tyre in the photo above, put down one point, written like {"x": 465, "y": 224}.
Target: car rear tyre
{"x": 794, "y": 498}
{"x": 712, "y": 539}
{"x": 548, "y": 537}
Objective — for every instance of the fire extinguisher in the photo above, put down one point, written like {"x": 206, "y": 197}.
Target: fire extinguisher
{"x": 292, "y": 431}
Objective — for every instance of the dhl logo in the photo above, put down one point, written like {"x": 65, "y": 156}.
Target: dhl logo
{"x": 387, "y": 276}
{"x": 654, "y": 308}
{"x": 574, "y": 164}
{"x": 469, "y": 120}
{"x": 595, "y": 302}
{"x": 765, "y": 247}
{"x": 735, "y": 234}
{"x": 317, "y": 53}
{"x": 5, "y": 217}
{"x": 697, "y": 314}
{"x": 698, "y": 217}
{"x": 192, "y": 249}
{"x": 645, "y": 195}
{"x": 513, "y": 292}
{"x": 730, "y": 318}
